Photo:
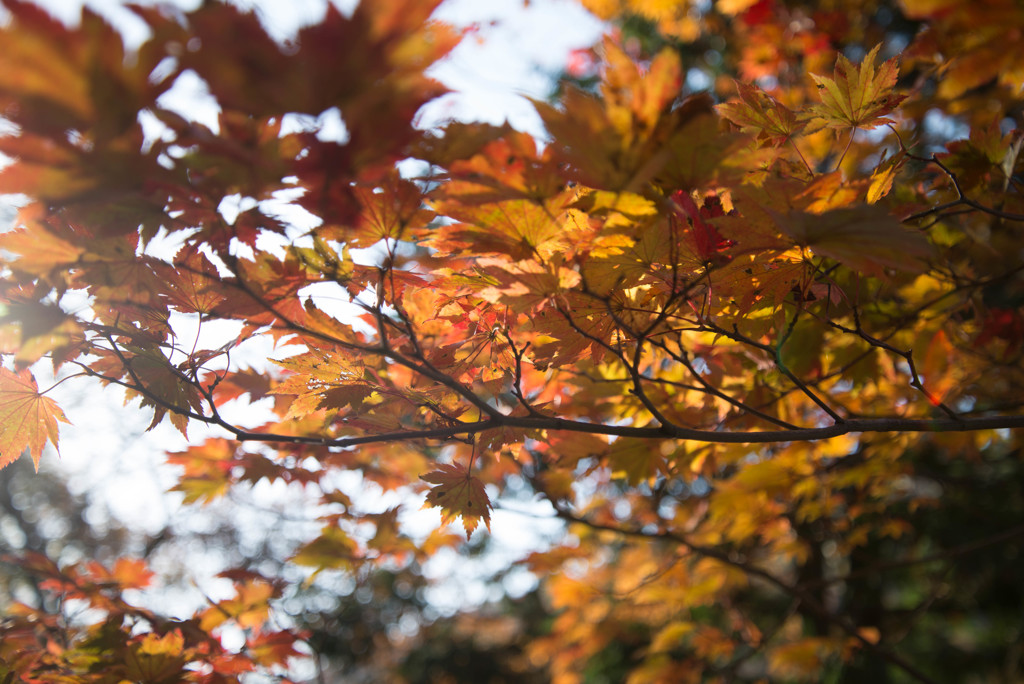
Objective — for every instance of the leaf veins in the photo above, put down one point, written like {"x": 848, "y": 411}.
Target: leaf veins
{"x": 857, "y": 96}
{"x": 458, "y": 494}
{"x": 27, "y": 418}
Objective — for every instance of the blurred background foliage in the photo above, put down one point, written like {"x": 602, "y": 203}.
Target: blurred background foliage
{"x": 960, "y": 614}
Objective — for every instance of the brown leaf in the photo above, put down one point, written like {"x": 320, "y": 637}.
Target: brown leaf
{"x": 866, "y": 238}
{"x": 773, "y": 121}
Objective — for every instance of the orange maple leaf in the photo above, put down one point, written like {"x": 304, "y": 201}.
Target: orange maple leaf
{"x": 758, "y": 111}
{"x": 857, "y": 96}
{"x": 125, "y": 573}
{"x": 27, "y": 418}
{"x": 249, "y": 609}
{"x": 458, "y": 493}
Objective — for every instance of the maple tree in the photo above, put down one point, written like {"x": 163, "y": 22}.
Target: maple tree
{"x": 752, "y": 345}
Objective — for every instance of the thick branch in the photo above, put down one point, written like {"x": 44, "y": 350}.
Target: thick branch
{"x": 852, "y": 426}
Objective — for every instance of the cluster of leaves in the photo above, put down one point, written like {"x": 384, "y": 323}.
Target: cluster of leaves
{"x": 126, "y": 642}
{"x": 713, "y": 338}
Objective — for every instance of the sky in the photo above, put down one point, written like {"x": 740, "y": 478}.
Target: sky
{"x": 515, "y": 50}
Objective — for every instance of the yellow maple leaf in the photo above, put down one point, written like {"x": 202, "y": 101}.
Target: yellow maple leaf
{"x": 249, "y": 609}
{"x": 857, "y": 96}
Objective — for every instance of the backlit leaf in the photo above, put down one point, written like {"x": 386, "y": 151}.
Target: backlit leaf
{"x": 759, "y": 112}
{"x": 857, "y": 96}
{"x": 883, "y": 176}
{"x": 27, "y": 419}
{"x": 458, "y": 494}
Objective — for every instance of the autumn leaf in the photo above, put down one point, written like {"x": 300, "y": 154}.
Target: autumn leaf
{"x": 35, "y": 329}
{"x": 166, "y": 388}
{"x": 973, "y": 43}
{"x": 856, "y": 96}
{"x": 249, "y": 609}
{"x": 671, "y": 18}
{"x": 272, "y": 648}
{"x": 800, "y": 660}
{"x": 526, "y": 285}
{"x": 333, "y": 549}
{"x": 206, "y": 470}
{"x": 39, "y": 250}
{"x": 939, "y": 368}
{"x": 156, "y": 659}
{"x": 734, "y": 7}
{"x": 757, "y": 111}
{"x": 627, "y": 203}
{"x": 27, "y": 418}
{"x": 322, "y": 380}
{"x": 883, "y": 176}
{"x": 126, "y": 573}
{"x": 389, "y": 212}
{"x": 458, "y": 494}
{"x": 866, "y": 238}
{"x": 705, "y": 240}
{"x": 616, "y": 141}
{"x": 194, "y": 284}
{"x": 652, "y": 318}
{"x": 518, "y": 228}
{"x": 636, "y": 461}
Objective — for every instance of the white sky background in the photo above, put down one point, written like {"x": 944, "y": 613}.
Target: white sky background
{"x": 517, "y": 48}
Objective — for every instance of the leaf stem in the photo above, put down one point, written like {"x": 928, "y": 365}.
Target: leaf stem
{"x": 800, "y": 154}
{"x": 67, "y": 377}
{"x": 853, "y": 132}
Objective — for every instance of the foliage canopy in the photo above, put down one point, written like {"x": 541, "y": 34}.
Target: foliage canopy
{"x": 760, "y": 346}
